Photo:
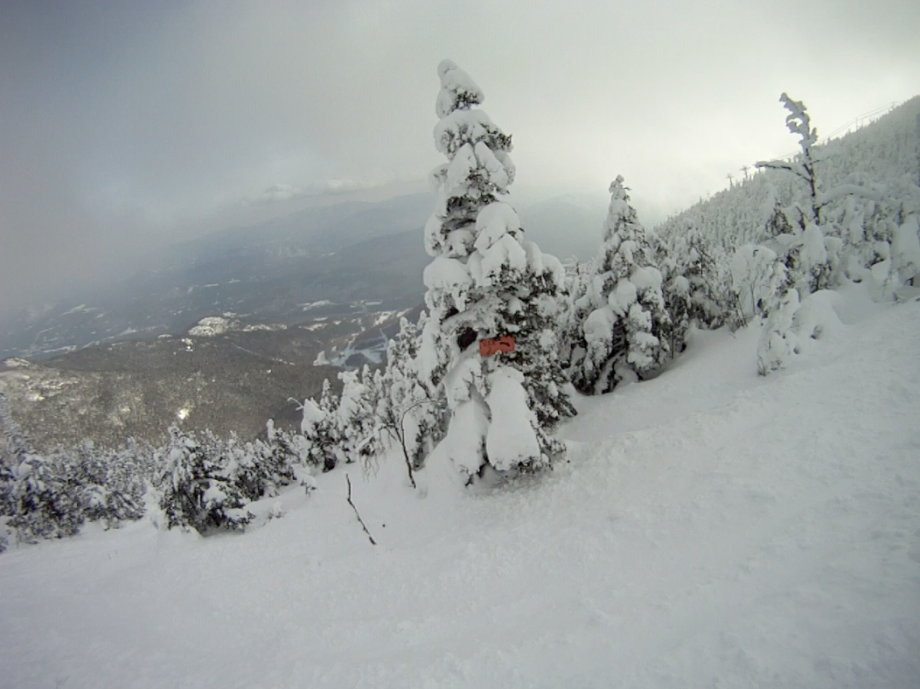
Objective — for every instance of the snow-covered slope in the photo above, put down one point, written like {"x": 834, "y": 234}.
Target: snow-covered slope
{"x": 712, "y": 529}
{"x": 883, "y": 156}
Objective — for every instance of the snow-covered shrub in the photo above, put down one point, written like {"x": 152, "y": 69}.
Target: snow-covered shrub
{"x": 321, "y": 431}
{"x": 196, "y": 490}
{"x": 39, "y": 496}
{"x": 276, "y": 459}
{"x": 408, "y": 408}
{"x": 758, "y": 280}
{"x": 111, "y": 483}
{"x": 43, "y": 501}
{"x": 906, "y": 250}
{"x": 794, "y": 327}
{"x": 15, "y": 443}
{"x": 778, "y": 340}
{"x": 812, "y": 259}
{"x": 815, "y": 319}
{"x": 7, "y": 478}
{"x": 358, "y": 425}
{"x": 880, "y": 234}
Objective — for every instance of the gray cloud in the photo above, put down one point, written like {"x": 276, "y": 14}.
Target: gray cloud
{"x": 124, "y": 125}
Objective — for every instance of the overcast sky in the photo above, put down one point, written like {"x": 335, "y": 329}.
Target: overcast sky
{"x": 128, "y": 123}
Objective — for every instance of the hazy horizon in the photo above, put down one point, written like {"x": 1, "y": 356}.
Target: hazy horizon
{"x": 128, "y": 126}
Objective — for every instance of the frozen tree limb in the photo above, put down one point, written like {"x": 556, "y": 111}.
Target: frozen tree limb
{"x": 360, "y": 521}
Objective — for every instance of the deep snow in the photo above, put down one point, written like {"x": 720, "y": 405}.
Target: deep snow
{"x": 712, "y": 529}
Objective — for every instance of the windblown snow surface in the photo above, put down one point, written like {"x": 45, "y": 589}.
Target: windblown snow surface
{"x": 712, "y": 529}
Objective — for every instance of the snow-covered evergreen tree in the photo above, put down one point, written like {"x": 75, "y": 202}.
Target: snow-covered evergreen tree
{"x": 321, "y": 430}
{"x": 577, "y": 283}
{"x": 111, "y": 483}
{"x": 485, "y": 281}
{"x": 866, "y": 192}
{"x": 408, "y": 408}
{"x": 277, "y": 458}
{"x": 14, "y": 442}
{"x": 878, "y": 229}
{"x": 358, "y": 426}
{"x": 677, "y": 294}
{"x": 38, "y": 495}
{"x": 623, "y": 335}
{"x": 195, "y": 488}
{"x": 43, "y": 500}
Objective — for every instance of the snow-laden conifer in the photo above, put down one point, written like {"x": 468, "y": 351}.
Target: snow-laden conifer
{"x": 15, "y": 443}
{"x": 409, "y": 409}
{"x": 277, "y": 458}
{"x": 485, "y": 281}
{"x": 321, "y": 430}
{"x": 43, "y": 501}
{"x": 196, "y": 488}
{"x": 356, "y": 418}
{"x": 38, "y": 495}
{"x": 677, "y": 294}
{"x": 811, "y": 257}
{"x": 111, "y": 483}
{"x": 623, "y": 333}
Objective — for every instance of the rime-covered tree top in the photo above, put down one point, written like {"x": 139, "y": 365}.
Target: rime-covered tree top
{"x": 458, "y": 90}
{"x": 798, "y": 121}
{"x": 478, "y": 171}
{"x": 624, "y": 236}
{"x": 621, "y": 216}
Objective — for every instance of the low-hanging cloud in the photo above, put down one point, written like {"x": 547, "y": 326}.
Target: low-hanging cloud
{"x": 125, "y": 125}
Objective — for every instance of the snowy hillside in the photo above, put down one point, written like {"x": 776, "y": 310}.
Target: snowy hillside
{"x": 884, "y": 155}
{"x": 711, "y": 528}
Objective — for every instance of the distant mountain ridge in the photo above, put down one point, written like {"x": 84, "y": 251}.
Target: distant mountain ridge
{"x": 224, "y": 330}
{"x": 265, "y": 273}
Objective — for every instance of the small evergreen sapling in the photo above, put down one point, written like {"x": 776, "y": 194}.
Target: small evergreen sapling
{"x": 409, "y": 409}
{"x": 356, "y": 419}
{"x": 678, "y": 300}
{"x": 321, "y": 430}
{"x": 277, "y": 458}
